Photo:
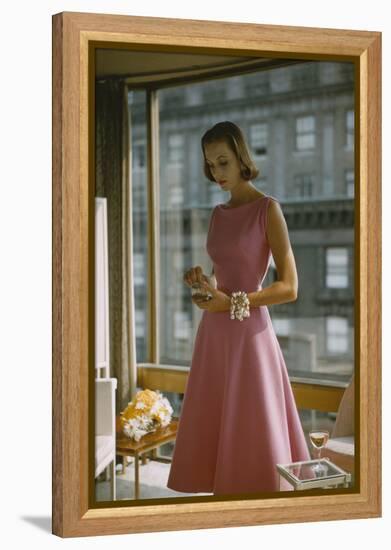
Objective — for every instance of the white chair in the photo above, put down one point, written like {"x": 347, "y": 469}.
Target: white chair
{"x": 105, "y": 429}
{"x": 105, "y": 387}
{"x": 340, "y": 446}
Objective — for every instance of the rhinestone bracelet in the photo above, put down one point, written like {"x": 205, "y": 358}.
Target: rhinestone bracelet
{"x": 240, "y": 305}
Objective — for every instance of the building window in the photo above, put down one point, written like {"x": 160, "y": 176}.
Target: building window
{"x": 140, "y": 323}
{"x": 336, "y": 267}
{"x": 349, "y": 129}
{"x": 172, "y": 98}
{"x": 305, "y": 75}
{"x": 259, "y": 139}
{"x": 337, "y": 334}
{"x": 139, "y": 155}
{"x": 257, "y": 84}
{"x": 176, "y": 148}
{"x": 182, "y": 327}
{"x": 178, "y": 261}
{"x": 349, "y": 183}
{"x": 281, "y": 326}
{"x": 177, "y": 195}
{"x": 139, "y": 269}
{"x": 305, "y": 133}
{"x": 214, "y": 91}
{"x": 304, "y": 185}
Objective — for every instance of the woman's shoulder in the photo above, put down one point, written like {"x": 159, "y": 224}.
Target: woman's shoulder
{"x": 273, "y": 198}
{"x": 256, "y": 197}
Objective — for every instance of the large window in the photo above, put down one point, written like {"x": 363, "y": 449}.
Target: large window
{"x": 337, "y": 267}
{"x": 305, "y": 133}
{"x": 138, "y": 140}
{"x": 176, "y": 148}
{"x": 349, "y": 183}
{"x": 349, "y": 129}
{"x": 279, "y": 124}
{"x": 337, "y": 335}
{"x": 139, "y": 155}
{"x": 259, "y": 139}
{"x": 304, "y": 185}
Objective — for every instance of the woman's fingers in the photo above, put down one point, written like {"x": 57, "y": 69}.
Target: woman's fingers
{"x": 198, "y": 274}
{"x": 193, "y": 275}
{"x": 197, "y": 299}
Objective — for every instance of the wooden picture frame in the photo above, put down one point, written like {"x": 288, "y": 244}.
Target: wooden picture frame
{"x": 75, "y": 35}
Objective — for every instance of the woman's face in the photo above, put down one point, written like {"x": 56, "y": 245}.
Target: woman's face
{"x": 224, "y": 165}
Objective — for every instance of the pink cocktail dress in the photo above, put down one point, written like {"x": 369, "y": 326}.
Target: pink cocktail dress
{"x": 239, "y": 417}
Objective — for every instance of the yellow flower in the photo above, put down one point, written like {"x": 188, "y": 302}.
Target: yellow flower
{"x": 147, "y": 406}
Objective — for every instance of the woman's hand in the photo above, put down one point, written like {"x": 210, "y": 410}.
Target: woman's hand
{"x": 194, "y": 275}
{"x": 219, "y": 301}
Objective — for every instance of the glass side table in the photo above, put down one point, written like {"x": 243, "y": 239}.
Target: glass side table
{"x": 302, "y": 475}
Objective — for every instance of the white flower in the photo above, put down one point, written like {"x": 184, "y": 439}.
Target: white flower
{"x": 155, "y": 408}
{"x": 167, "y": 404}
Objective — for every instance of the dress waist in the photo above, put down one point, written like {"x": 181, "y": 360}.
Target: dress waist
{"x": 245, "y": 288}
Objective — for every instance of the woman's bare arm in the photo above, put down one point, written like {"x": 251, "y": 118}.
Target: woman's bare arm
{"x": 286, "y": 287}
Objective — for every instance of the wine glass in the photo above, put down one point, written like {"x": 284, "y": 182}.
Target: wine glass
{"x": 318, "y": 440}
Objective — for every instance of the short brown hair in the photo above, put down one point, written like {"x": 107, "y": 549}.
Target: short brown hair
{"x": 233, "y": 136}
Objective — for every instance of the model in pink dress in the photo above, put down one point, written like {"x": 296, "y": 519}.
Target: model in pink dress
{"x": 239, "y": 416}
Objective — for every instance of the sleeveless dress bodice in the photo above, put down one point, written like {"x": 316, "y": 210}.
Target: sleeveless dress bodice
{"x": 238, "y": 246}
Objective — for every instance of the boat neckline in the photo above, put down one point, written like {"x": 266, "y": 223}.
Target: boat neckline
{"x": 223, "y": 207}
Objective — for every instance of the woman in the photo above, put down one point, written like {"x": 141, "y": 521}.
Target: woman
{"x": 239, "y": 418}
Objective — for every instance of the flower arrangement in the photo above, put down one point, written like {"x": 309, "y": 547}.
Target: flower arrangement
{"x": 147, "y": 411}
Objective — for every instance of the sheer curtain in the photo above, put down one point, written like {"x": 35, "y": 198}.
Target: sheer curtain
{"x": 113, "y": 181}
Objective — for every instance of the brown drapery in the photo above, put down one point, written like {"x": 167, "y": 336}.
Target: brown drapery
{"x": 113, "y": 181}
